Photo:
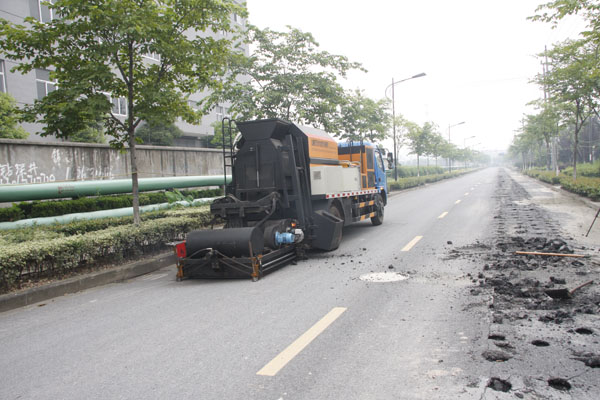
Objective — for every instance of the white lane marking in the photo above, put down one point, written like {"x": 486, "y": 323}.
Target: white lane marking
{"x": 443, "y": 215}
{"x": 281, "y": 360}
{"x": 412, "y": 243}
{"x": 472, "y": 189}
{"x": 467, "y": 193}
{"x": 457, "y": 201}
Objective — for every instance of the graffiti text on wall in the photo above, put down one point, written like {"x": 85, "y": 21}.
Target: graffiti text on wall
{"x": 23, "y": 173}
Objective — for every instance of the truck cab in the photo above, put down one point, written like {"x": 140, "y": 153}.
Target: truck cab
{"x": 372, "y": 164}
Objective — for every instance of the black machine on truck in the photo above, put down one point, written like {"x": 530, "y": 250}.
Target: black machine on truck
{"x": 292, "y": 188}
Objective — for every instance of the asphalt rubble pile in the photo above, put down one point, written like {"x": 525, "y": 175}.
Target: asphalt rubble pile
{"x": 543, "y": 342}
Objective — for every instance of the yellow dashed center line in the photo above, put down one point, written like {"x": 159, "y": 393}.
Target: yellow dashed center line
{"x": 281, "y": 360}
{"x": 443, "y": 215}
{"x": 457, "y": 201}
{"x": 412, "y": 243}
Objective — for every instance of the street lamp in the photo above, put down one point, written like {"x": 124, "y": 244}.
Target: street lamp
{"x": 465, "y": 141}
{"x": 394, "y": 117}
{"x": 449, "y": 142}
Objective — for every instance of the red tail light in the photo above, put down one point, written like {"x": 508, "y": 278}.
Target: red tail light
{"x": 180, "y": 250}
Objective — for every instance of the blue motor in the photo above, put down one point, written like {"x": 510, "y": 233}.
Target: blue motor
{"x": 284, "y": 238}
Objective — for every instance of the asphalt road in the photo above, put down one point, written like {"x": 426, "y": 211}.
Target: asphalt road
{"x": 155, "y": 338}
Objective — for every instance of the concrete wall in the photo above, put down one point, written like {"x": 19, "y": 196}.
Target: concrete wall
{"x": 22, "y": 161}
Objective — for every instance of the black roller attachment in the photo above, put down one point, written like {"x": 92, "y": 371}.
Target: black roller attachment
{"x": 235, "y": 242}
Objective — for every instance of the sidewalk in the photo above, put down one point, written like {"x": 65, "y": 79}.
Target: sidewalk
{"x": 579, "y": 211}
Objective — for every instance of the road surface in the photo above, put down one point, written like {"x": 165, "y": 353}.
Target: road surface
{"x": 314, "y": 330}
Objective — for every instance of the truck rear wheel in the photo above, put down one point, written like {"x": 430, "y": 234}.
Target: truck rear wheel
{"x": 378, "y": 218}
{"x": 334, "y": 210}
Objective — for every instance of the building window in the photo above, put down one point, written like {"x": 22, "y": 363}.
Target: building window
{"x": 43, "y": 83}
{"x": 46, "y": 13}
{"x": 237, "y": 19}
{"x": 193, "y": 104}
{"x": 119, "y": 106}
{"x": 2, "y": 77}
{"x": 219, "y": 110}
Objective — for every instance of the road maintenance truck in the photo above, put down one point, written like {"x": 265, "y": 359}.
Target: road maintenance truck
{"x": 292, "y": 188}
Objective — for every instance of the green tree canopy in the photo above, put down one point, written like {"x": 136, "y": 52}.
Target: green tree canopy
{"x": 418, "y": 139}
{"x": 286, "y": 77}
{"x": 571, "y": 85}
{"x": 126, "y": 61}
{"x": 363, "y": 118}
{"x": 9, "y": 116}
{"x": 158, "y": 133}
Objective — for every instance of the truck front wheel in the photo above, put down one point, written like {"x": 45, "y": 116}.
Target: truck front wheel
{"x": 378, "y": 218}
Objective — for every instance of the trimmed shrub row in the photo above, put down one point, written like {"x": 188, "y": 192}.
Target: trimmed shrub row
{"x": 406, "y": 183}
{"x": 584, "y": 186}
{"x": 53, "y": 208}
{"x": 586, "y": 169}
{"x": 404, "y": 171}
{"x": 50, "y": 252}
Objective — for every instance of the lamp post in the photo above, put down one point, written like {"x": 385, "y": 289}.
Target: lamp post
{"x": 449, "y": 142}
{"x": 394, "y": 117}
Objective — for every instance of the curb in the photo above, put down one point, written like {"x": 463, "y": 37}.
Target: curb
{"x": 11, "y": 301}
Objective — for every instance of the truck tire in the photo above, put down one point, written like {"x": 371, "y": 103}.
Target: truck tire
{"x": 334, "y": 210}
{"x": 378, "y": 218}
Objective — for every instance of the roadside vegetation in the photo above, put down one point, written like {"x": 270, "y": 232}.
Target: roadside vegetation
{"x": 565, "y": 129}
{"x": 410, "y": 179}
{"x": 587, "y": 184}
{"x": 41, "y": 252}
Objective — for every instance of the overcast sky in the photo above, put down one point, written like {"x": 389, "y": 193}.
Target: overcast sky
{"x": 479, "y": 56}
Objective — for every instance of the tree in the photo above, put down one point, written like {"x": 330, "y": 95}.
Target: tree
{"x": 220, "y": 127}
{"x": 363, "y": 118}
{"x": 92, "y": 134}
{"x": 97, "y": 51}
{"x": 287, "y": 77}
{"x": 418, "y": 138}
{"x": 570, "y": 85}
{"x": 158, "y": 133}
{"x": 436, "y": 145}
{"x": 9, "y": 116}
{"x": 577, "y": 64}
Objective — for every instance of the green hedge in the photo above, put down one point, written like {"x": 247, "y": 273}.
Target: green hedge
{"x": 33, "y": 253}
{"x": 584, "y": 186}
{"x": 53, "y": 208}
{"x": 544, "y": 176}
{"x": 406, "y": 183}
{"x": 405, "y": 172}
{"x": 585, "y": 169}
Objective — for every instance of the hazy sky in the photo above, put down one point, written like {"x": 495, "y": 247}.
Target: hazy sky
{"x": 479, "y": 56}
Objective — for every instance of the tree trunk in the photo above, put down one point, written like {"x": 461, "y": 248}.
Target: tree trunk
{"x": 575, "y": 145}
{"x": 134, "y": 181}
{"x": 131, "y": 133}
{"x": 548, "y": 156}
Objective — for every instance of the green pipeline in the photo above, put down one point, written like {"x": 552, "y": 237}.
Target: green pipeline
{"x": 57, "y": 190}
{"x": 118, "y": 212}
